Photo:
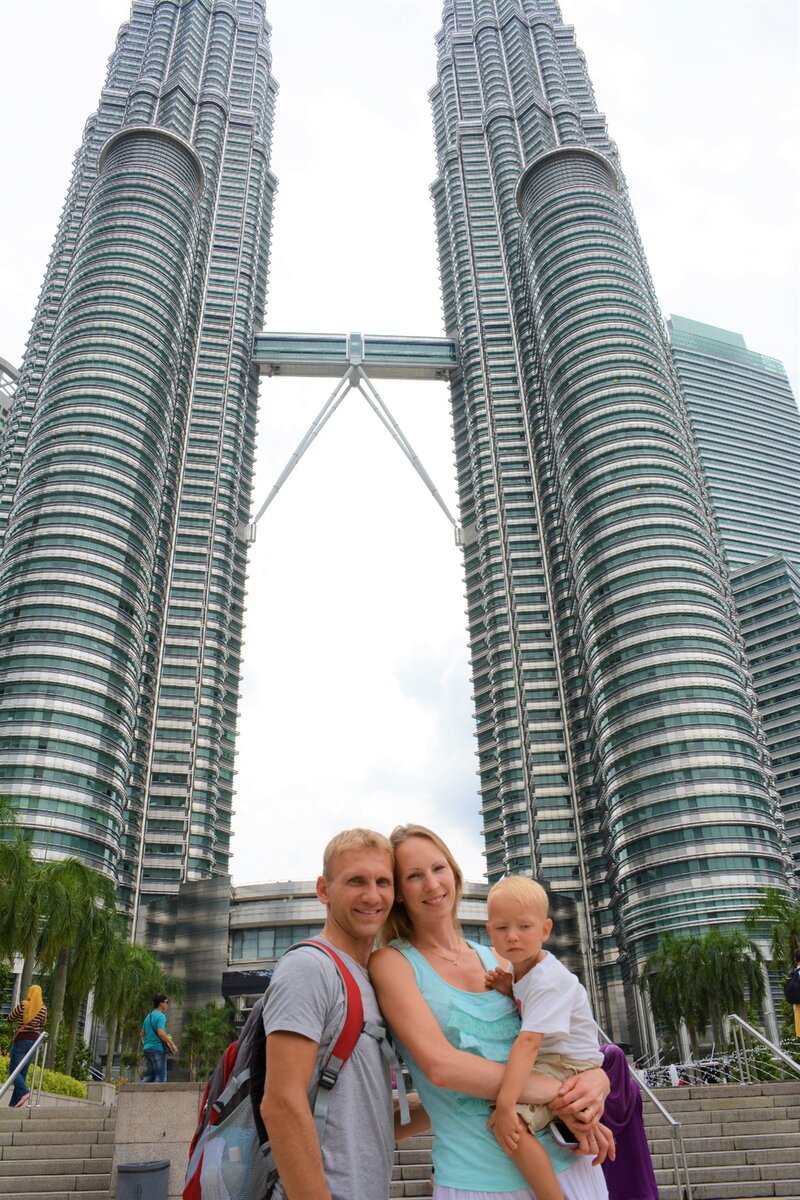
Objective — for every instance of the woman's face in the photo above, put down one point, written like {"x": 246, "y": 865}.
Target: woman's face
{"x": 425, "y": 881}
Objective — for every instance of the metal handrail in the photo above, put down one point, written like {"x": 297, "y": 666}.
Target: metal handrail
{"x": 737, "y": 1027}
{"x": 33, "y": 1053}
{"x": 676, "y": 1132}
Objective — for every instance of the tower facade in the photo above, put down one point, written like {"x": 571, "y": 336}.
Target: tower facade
{"x": 619, "y": 754}
{"x": 747, "y": 428}
{"x": 126, "y": 464}
{"x": 746, "y": 424}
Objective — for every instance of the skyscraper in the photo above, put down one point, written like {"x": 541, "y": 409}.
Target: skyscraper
{"x": 618, "y": 746}
{"x": 747, "y": 427}
{"x": 127, "y": 459}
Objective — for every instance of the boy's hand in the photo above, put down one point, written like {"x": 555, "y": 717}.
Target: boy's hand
{"x": 499, "y": 979}
{"x": 506, "y": 1127}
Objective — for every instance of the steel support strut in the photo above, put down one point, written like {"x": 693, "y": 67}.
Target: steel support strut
{"x": 357, "y": 379}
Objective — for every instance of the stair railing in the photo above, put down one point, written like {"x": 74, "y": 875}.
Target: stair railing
{"x": 36, "y": 1052}
{"x": 680, "y": 1166}
{"x": 738, "y": 1030}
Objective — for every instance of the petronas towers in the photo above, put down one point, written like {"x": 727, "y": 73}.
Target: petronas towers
{"x": 620, "y": 751}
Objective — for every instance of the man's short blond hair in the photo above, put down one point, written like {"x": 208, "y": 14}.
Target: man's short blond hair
{"x": 353, "y": 839}
{"x": 521, "y": 889}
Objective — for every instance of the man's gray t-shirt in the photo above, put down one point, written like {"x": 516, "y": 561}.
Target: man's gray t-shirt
{"x": 306, "y": 996}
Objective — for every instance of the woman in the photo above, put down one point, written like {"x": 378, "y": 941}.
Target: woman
{"x": 30, "y": 1015}
{"x": 455, "y": 1035}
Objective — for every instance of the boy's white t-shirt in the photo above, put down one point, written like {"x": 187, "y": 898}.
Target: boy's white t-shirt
{"x": 554, "y": 1003}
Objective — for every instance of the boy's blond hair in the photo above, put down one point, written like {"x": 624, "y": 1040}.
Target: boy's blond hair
{"x": 353, "y": 839}
{"x": 521, "y": 889}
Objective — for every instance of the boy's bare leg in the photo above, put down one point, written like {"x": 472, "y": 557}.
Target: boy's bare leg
{"x": 533, "y": 1163}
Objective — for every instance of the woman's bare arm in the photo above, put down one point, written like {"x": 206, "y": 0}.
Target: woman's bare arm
{"x": 409, "y": 1016}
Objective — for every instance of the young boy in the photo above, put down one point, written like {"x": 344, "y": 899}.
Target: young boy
{"x": 558, "y": 1036}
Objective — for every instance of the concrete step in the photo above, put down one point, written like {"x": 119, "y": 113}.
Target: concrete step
{"x": 21, "y": 1185}
{"x": 34, "y": 1137}
{"x": 57, "y": 1125}
{"x": 39, "y": 1153}
{"x": 97, "y": 1195}
{"x": 52, "y": 1166}
{"x": 88, "y": 1112}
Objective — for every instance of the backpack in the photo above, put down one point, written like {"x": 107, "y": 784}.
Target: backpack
{"x": 230, "y": 1157}
{"x": 791, "y": 987}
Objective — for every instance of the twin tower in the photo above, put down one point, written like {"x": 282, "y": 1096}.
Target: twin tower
{"x": 620, "y": 755}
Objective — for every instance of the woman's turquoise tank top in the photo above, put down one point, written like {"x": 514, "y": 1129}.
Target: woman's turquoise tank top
{"x": 465, "y": 1152}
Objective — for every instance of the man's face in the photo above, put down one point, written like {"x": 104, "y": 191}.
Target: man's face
{"x": 359, "y": 893}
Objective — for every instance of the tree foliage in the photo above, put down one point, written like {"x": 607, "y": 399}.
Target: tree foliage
{"x": 207, "y": 1032}
{"x": 699, "y": 979}
{"x": 777, "y": 916}
{"x": 61, "y": 917}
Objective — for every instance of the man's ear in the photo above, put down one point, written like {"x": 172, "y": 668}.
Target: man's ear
{"x": 322, "y": 891}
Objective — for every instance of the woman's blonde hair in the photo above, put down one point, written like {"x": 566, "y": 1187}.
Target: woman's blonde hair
{"x": 397, "y": 924}
{"x": 33, "y": 1004}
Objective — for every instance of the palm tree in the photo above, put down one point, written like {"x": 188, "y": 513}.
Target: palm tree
{"x": 779, "y": 916}
{"x": 87, "y": 960}
{"x": 733, "y": 973}
{"x": 74, "y": 898}
{"x": 698, "y": 979}
{"x": 206, "y": 1033}
{"x": 23, "y": 903}
{"x": 128, "y": 979}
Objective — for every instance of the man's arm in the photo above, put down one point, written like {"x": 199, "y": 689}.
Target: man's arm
{"x": 419, "y": 1123}
{"x": 287, "y": 1115}
{"x": 163, "y": 1036}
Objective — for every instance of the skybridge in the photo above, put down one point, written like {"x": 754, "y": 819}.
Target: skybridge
{"x": 355, "y": 360}
{"x": 332, "y": 354}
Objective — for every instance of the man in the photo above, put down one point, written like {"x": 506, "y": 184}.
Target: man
{"x": 156, "y": 1041}
{"x": 303, "y": 1009}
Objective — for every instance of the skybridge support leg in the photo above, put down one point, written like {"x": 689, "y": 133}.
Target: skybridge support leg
{"x": 323, "y": 416}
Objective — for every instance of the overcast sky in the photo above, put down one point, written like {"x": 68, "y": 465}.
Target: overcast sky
{"x": 355, "y": 697}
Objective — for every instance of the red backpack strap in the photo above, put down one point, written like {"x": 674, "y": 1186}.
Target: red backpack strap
{"x": 353, "y": 1025}
{"x": 346, "y": 1037}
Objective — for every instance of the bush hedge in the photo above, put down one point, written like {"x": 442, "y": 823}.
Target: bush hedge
{"x": 53, "y": 1081}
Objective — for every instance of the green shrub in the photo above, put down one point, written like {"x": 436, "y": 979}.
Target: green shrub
{"x": 53, "y": 1081}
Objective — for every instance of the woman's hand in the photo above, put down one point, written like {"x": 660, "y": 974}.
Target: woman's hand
{"x": 506, "y": 1126}
{"x": 597, "y": 1142}
{"x": 581, "y": 1099}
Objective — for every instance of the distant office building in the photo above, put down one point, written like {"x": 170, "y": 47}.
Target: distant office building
{"x": 767, "y": 596}
{"x": 746, "y": 423}
{"x": 126, "y": 465}
{"x": 747, "y": 427}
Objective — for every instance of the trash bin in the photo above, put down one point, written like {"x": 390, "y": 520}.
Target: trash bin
{"x": 143, "y": 1181}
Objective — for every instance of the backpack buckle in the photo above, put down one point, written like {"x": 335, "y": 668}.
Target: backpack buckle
{"x": 328, "y": 1077}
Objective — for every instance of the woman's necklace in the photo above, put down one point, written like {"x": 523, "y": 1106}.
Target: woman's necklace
{"x": 447, "y": 958}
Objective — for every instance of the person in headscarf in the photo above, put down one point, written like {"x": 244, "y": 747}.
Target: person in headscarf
{"x": 30, "y": 1016}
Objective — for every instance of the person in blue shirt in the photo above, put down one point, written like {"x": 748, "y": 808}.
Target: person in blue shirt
{"x": 156, "y": 1041}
